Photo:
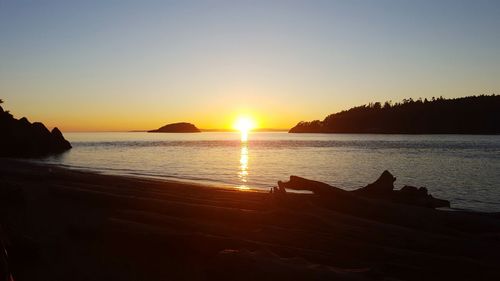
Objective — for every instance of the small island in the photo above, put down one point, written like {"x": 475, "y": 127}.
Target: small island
{"x": 468, "y": 115}
{"x": 181, "y": 127}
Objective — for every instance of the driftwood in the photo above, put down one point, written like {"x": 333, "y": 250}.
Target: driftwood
{"x": 382, "y": 189}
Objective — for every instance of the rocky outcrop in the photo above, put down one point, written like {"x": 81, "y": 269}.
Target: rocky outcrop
{"x": 381, "y": 189}
{"x": 181, "y": 127}
{"x": 21, "y": 138}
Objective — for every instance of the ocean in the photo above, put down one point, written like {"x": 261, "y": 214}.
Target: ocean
{"x": 464, "y": 169}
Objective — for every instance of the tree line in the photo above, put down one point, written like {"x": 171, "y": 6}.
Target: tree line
{"x": 466, "y": 115}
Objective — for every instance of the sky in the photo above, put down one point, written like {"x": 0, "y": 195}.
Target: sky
{"x": 133, "y": 65}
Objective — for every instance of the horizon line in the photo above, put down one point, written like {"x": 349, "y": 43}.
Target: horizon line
{"x": 202, "y": 130}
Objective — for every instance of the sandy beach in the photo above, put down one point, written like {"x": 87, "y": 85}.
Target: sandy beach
{"x": 61, "y": 224}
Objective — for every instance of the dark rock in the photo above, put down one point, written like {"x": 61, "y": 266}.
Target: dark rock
{"x": 24, "y": 121}
{"x": 40, "y": 129}
{"x": 60, "y": 143}
{"x": 181, "y": 127}
{"x": 21, "y": 138}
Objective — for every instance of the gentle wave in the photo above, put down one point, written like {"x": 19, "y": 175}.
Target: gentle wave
{"x": 463, "y": 169}
{"x": 489, "y": 147}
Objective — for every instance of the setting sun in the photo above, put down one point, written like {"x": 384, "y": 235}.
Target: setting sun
{"x": 244, "y": 124}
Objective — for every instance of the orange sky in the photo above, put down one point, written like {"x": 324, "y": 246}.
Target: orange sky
{"x": 138, "y": 65}
{"x": 97, "y": 117}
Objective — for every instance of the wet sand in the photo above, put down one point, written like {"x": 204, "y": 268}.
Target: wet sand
{"x": 62, "y": 224}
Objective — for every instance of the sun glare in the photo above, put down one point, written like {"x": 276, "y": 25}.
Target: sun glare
{"x": 244, "y": 124}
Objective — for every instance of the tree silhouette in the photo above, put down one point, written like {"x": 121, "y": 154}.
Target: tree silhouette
{"x": 467, "y": 115}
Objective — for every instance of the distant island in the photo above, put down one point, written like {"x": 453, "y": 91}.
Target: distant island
{"x": 21, "y": 138}
{"x": 181, "y": 127}
{"x": 467, "y": 115}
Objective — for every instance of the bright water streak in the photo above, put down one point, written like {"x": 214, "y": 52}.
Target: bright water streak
{"x": 463, "y": 169}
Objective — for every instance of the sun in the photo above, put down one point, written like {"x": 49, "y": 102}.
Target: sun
{"x": 244, "y": 124}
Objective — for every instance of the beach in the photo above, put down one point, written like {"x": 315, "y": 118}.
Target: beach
{"x": 455, "y": 167}
{"x": 62, "y": 224}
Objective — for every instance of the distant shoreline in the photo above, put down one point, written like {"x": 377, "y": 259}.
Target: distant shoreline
{"x": 285, "y": 131}
{"x": 473, "y": 115}
{"x": 409, "y": 134}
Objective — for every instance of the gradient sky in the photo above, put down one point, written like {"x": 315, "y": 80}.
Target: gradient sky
{"x": 125, "y": 65}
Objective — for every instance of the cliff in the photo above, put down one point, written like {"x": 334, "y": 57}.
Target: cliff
{"x": 21, "y": 138}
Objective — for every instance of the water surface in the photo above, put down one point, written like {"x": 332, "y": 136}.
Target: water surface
{"x": 461, "y": 168}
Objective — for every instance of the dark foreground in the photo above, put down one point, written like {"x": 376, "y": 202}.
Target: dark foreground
{"x": 67, "y": 225}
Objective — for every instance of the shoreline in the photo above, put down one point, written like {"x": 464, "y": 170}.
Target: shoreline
{"x": 197, "y": 182}
{"x": 63, "y": 223}
{"x": 159, "y": 178}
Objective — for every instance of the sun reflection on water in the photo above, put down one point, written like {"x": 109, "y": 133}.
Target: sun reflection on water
{"x": 243, "y": 168}
{"x": 244, "y": 137}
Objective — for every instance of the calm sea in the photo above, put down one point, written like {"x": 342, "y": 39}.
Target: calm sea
{"x": 462, "y": 168}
